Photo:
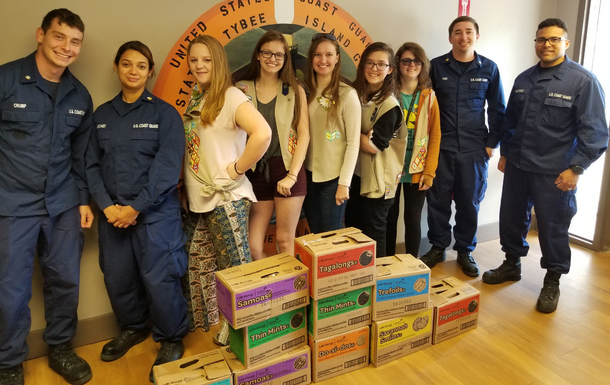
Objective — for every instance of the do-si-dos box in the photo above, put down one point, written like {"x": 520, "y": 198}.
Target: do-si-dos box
{"x": 209, "y": 368}
{"x": 251, "y": 293}
{"x": 265, "y": 340}
{"x": 456, "y": 308}
{"x": 291, "y": 368}
{"x": 399, "y": 337}
{"x": 339, "y": 313}
{"x": 339, "y": 261}
{"x": 339, "y": 354}
{"x": 402, "y": 287}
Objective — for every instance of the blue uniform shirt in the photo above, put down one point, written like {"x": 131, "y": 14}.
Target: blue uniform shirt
{"x": 555, "y": 120}
{"x": 42, "y": 142}
{"x": 461, "y": 101}
{"x": 135, "y": 156}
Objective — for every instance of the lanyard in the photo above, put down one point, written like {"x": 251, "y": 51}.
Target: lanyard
{"x": 410, "y": 106}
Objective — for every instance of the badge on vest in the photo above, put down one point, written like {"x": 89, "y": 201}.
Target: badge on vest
{"x": 333, "y": 135}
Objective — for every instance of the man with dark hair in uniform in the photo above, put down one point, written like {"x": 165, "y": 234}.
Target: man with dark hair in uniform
{"x": 554, "y": 128}
{"x": 463, "y": 81}
{"x": 45, "y": 123}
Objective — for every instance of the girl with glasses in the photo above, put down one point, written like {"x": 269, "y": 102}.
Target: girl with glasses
{"x": 278, "y": 179}
{"x": 420, "y": 108}
{"x": 334, "y": 126}
{"x": 218, "y": 120}
{"x": 382, "y": 145}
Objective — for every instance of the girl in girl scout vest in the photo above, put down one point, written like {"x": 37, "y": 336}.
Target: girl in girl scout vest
{"x": 420, "y": 107}
{"x": 382, "y": 145}
{"x": 334, "y": 125}
{"x": 278, "y": 179}
{"x": 218, "y": 120}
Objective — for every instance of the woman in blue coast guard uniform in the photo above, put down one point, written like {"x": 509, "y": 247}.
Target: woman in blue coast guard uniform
{"x": 133, "y": 165}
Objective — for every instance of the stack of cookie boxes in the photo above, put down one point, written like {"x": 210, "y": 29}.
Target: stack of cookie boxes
{"x": 265, "y": 304}
{"x": 342, "y": 271}
{"x": 402, "y": 317}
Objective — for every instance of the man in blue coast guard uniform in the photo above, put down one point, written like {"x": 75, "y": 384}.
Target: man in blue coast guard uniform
{"x": 554, "y": 128}
{"x": 463, "y": 81}
{"x": 45, "y": 122}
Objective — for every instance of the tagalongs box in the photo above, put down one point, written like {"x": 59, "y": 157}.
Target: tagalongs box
{"x": 253, "y": 292}
{"x": 339, "y": 261}
{"x": 456, "y": 308}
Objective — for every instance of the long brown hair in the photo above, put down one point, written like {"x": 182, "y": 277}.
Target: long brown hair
{"x": 221, "y": 78}
{"x": 388, "y": 86}
{"x": 332, "y": 90}
{"x": 286, "y": 74}
{"x": 423, "y": 79}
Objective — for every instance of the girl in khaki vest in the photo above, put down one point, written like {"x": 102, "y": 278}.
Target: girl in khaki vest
{"x": 278, "y": 179}
{"x": 382, "y": 145}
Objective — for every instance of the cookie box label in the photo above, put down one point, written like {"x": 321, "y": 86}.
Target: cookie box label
{"x": 343, "y": 303}
{"x": 457, "y": 310}
{"x": 274, "y": 372}
{"x": 345, "y": 344}
{"x": 396, "y": 288}
{"x": 264, "y": 294}
{"x": 341, "y": 262}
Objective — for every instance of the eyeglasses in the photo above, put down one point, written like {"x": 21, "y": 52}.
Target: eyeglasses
{"x": 379, "y": 66}
{"x": 552, "y": 40}
{"x": 407, "y": 62}
{"x": 328, "y": 36}
{"x": 278, "y": 56}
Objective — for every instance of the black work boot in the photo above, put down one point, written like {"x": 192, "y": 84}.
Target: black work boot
{"x": 468, "y": 264}
{"x": 170, "y": 351}
{"x": 121, "y": 344}
{"x": 509, "y": 270}
{"x": 434, "y": 256}
{"x": 64, "y": 360}
{"x": 549, "y": 295}
{"x": 12, "y": 375}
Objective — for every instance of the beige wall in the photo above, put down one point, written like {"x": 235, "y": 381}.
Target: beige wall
{"x": 507, "y": 30}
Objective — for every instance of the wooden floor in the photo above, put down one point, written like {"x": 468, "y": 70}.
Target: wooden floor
{"x": 514, "y": 344}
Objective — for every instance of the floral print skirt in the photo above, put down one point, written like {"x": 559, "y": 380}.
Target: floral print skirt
{"x": 217, "y": 240}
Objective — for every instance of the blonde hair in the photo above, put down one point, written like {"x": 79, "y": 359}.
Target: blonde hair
{"x": 221, "y": 78}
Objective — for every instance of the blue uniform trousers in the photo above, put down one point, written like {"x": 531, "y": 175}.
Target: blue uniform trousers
{"x": 554, "y": 212}
{"x": 59, "y": 243}
{"x": 146, "y": 258}
{"x": 461, "y": 177}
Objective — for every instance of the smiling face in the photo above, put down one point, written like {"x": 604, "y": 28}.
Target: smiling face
{"x": 548, "y": 54}
{"x": 133, "y": 70}
{"x": 411, "y": 71}
{"x": 375, "y": 76}
{"x": 271, "y": 65}
{"x": 200, "y": 64}
{"x": 58, "y": 47}
{"x": 325, "y": 58}
{"x": 463, "y": 37}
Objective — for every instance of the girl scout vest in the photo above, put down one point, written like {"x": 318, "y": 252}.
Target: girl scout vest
{"x": 381, "y": 172}
{"x": 422, "y": 132}
{"x": 284, "y": 112}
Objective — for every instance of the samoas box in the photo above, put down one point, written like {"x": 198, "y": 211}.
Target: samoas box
{"x": 251, "y": 293}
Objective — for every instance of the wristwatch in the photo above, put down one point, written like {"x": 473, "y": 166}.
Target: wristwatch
{"x": 577, "y": 169}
